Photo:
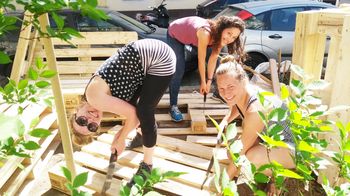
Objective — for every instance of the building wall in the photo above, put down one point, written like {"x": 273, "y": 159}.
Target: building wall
{"x": 142, "y": 5}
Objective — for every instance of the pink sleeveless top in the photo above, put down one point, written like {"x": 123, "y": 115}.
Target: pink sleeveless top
{"x": 185, "y": 29}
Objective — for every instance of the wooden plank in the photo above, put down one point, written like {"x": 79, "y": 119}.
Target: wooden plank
{"x": 126, "y": 173}
{"x": 178, "y": 145}
{"x": 203, "y": 140}
{"x": 98, "y": 38}
{"x": 22, "y": 45}
{"x": 164, "y": 153}
{"x": 309, "y": 46}
{"x": 193, "y": 177}
{"x": 94, "y": 182}
{"x": 274, "y": 78}
{"x": 17, "y": 179}
{"x": 198, "y": 120}
{"x": 81, "y": 52}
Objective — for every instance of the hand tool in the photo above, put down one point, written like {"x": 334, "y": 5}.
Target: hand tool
{"x": 211, "y": 163}
{"x": 204, "y": 101}
{"x": 110, "y": 171}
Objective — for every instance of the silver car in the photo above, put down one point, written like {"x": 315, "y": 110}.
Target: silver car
{"x": 270, "y": 26}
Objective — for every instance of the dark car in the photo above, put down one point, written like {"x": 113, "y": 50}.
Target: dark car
{"x": 116, "y": 22}
{"x": 270, "y": 26}
{"x": 209, "y": 8}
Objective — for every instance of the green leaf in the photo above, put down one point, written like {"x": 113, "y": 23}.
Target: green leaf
{"x": 172, "y": 174}
{"x": 39, "y": 63}
{"x": 304, "y": 169}
{"x": 8, "y": 88}
{"x": 73, "y": 32}
{"x": 236, "y": 146}
{"x": 22, "y": 84}
{"x": 261, "y": 178}
{"x": 31, "y": 145}
{"x": 272, "y": 142}
{"x": 42, "y": 84}
{"x": 40, "y": 133}
{"x": 67, "y": 174}
{"x": 10, "y": 125}
{"x": 225, "y": 179}
{"x": 260, "y": 193}
{"x": 153, "y": 193}
{"x": 93, "y": 3}
{"x": 288, "y": 173}
{"x": 69, "y": 186}
{"x": 139, "y": 180}
{"x": 303, "y": 146}
{"x": 32, "y": 74}
{"x": 284, "y": 92}
{"x": 48, "y": 74}
{"x": 4, "y": 58}
{"x": 58, "y": 20}
{"x": 278, "y": 114}
{"x": 231, "y": 131}
{"x": 80, "y": 179}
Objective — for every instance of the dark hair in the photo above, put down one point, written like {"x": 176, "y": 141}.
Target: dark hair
{"x": 219, "y": 25}
{"x": 228, "y": 64}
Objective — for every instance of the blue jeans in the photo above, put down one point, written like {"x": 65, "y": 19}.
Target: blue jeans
{"x": 175, "y": 83}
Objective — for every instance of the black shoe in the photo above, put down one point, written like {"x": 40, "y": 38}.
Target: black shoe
{"x": 135, "y": 142}
{"x": 143, "y": 167}
{"x": 217, "y": 97}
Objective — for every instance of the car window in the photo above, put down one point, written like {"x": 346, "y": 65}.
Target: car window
{"x": 282, "y": 19}
{"x": 255, "y": 22}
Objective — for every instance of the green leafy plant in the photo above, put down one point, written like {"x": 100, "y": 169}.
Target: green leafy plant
{"x": 13, "y": 131}
{"x": 145, "y": 187}
{"x": 74, "y": 184}
{"x": 304, "y": 114}
{"x": 39, "y": 7}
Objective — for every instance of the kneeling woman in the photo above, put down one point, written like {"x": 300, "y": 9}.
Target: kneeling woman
{"x": 129, "y": 83}
{"x": 241, "y": 97}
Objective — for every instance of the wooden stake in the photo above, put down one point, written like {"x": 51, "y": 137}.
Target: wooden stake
{"x": 61, "y": 112}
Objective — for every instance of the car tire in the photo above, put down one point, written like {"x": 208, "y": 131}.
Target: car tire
{"x": 254, "y": 59}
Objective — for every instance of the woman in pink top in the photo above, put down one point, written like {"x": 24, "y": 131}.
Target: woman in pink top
{"x": 203, "y": 34}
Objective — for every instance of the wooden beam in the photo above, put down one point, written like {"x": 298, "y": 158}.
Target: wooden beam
{"x": 22, "y": 46}
{"x": 94, "y": 182}
{"x": 100, "y": 164}
{"x": 274, "y": 77}
{"x": 61, "y": 112}
{"x": 193, "y": 177}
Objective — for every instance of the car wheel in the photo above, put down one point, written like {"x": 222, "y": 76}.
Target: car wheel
{"x": 254, "y": 59}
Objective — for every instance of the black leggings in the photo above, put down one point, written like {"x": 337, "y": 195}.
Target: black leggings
{"x": 149, "y": 95}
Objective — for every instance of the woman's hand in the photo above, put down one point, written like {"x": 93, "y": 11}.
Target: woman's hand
{"x": 118, "y": 143}
{"x": 203, "y": 88}
{"x": 208, "y": 86}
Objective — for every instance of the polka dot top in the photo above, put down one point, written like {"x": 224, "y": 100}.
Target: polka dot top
{"x": 125, "y": 71}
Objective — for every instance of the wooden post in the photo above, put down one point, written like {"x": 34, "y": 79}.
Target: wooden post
{"x": 309, "y": 45}
{"x": 22, "y": 45}
{"x": 56, "y": 88}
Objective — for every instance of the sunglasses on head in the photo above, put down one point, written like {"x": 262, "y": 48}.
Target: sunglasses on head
{"x": 83, "y": 121}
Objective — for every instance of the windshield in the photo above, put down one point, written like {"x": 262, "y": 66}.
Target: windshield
{"x": 230, "y": 11}
{"x": 130, "y": 22}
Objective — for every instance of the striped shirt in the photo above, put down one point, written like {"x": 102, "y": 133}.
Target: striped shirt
{"x": 157, "y": 57}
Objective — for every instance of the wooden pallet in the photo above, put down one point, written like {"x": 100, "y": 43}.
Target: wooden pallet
{"x": 171, "y": 154}
{"x": 13, "y": 177}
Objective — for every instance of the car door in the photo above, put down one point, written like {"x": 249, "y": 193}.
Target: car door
{"x": 279, "y": 32}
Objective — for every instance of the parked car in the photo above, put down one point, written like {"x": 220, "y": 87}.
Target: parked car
{"x": 270, "y": 26}
{"x": 209, "y": 8}
{"x": 116, "y": 22}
